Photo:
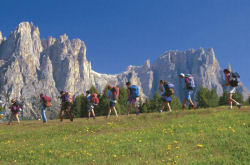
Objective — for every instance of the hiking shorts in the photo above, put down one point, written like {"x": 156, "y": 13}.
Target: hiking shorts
{"x": 132, "y": 101}
{"x": 166, "y": 99}
{"x": 112, "y": 103}
{"x": 188, "y": 94}
{"x": 231, "y": 89}
{"x": 90, "y": 107}
{"x": 66, "y": 106}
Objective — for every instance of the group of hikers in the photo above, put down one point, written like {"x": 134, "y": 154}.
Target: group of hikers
{"x": 166, "y": 89}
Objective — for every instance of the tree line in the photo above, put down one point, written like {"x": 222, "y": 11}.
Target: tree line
{"x": 205, "y": 98}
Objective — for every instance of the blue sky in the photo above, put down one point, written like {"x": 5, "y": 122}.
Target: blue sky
{"x": 132, "y": 31}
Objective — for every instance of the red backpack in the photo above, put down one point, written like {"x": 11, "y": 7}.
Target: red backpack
{"x": 94, "y": 98}
{"x": 115, "y": 93}
{"x": 46, "y": 100}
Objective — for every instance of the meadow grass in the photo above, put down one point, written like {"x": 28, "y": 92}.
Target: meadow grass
{"x": 206, "y": 136}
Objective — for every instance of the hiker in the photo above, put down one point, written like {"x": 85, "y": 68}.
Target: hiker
{"x": 92, "y": 101}
{"x": 133, "y": 94}
{"x": 15, "y": 109}
{"x": 166, "y": 90}
{"x": 66, "y": 101}
{"x": 113, "y": 94}
{"x": 188, "y": 89}
{"x": 232, "y": 82}
{"x": 45, "y": 104}
{"x": 1, "y": 109}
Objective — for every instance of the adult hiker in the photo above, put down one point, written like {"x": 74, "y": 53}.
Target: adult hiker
{"x": 45, "y": 104}
{"x": 1, "y": 109}
{"x": 15, "y": 110}
{"x": 133, "y": 94}
{"x": 232, "y": 82}
{"x": 113, "y": 95}
{"x": 166, "y": 90}
{"x": 188, "y": 89}
{"x": 66, "y": 101}
{"x": 92, "y": 101}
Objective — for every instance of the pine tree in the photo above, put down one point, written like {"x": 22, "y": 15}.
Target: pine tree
{"x": 175, "y": 103}
{"x": 202, "y": 97}
{"x": 223, "y": 100}
{"x": 238, "y": 97}
{"x": 207, "y": 98}
{"x": 155, "y": 103}
{"x": 213, "y": 99}
{"x": 93, "y": 89}
{"x": 248, "y": 100}
{"x": 80, "y": 106}
{"x": 123, "y": 97}
{"x": 102, "y": 108}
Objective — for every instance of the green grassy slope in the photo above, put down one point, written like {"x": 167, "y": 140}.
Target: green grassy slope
{"x": 207, "y": 136}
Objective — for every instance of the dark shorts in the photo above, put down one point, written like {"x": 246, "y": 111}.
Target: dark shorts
{"x": 112, "y": 104}
{"x": 166, "y": 99}
{"x": 66, "y": 107}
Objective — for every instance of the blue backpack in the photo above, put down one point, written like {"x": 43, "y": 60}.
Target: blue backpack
{"x": 189, "y": 80}
{"x": 134, "y": 91}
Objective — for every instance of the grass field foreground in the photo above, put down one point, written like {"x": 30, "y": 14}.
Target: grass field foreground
{"x": 205, "y": 136}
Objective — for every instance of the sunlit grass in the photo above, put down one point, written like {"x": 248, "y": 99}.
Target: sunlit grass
{"x": 206, "y": 136}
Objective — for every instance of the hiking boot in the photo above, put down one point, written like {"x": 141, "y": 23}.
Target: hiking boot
{"x": 239, "y": 106}
{"x": 170, "y": 110}
{"x": 137, "y": 113}
{"x": 160, "y": 111}
{"x": 93, "y": 117}
{"x": 71, "y": 119}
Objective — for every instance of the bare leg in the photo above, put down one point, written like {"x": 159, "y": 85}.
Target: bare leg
{"x": 162, "y": 106}
{"x": 61, "y": 115}
{"x": 88, "y": 114}
{"x": 169, "y": 107}
{"x": 109, "y": 112}
{"x": 17, "y": 119}
{"x": 93, "y": 113}
{"x": 128, "y": 108}
{"x": 114, "y": 109}
{"x": 191, "y": 103}
{"x": 184, "y": 105}
{"x": 11, "y": 118}
{"x": 231, "y": 100}
{"x": 136, "y": 108}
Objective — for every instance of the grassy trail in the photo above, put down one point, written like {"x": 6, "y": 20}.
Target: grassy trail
{"x": 205, "y": 136}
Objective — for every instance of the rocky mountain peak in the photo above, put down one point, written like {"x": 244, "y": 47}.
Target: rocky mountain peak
{"x": 1, "y": 36}
{"x": 29, "y": 66}
{"x": 147, "y": 64}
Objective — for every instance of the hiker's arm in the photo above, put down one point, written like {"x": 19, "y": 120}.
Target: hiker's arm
{"x": 160, "y": 88}
{"x": 128, "y": 92}
{"x": 226, "y": 83}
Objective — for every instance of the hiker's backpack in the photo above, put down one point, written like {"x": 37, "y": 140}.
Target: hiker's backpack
{"x": 134, "y": 91}
{"x": 94, "y": 98}
{"x": 234, "y": 79}
{"x": 168, "y": 88}
{"x": 115, "y": 93}
{"x": 68, "y": 97}
{"x": 15, "y": 108}
{"x": 46, "y": 100}
{"x": 189, "y": 80}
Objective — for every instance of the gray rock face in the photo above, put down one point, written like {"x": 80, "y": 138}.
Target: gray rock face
{"x": 30, "y": 66}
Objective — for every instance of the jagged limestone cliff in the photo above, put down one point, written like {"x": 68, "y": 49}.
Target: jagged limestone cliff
{"x": 30, "y": 66}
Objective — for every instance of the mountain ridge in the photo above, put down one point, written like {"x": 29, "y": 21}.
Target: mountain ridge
{"x": 30, "y": 65}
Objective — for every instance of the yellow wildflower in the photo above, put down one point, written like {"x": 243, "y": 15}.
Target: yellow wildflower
{"x": 199, "y": 145}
